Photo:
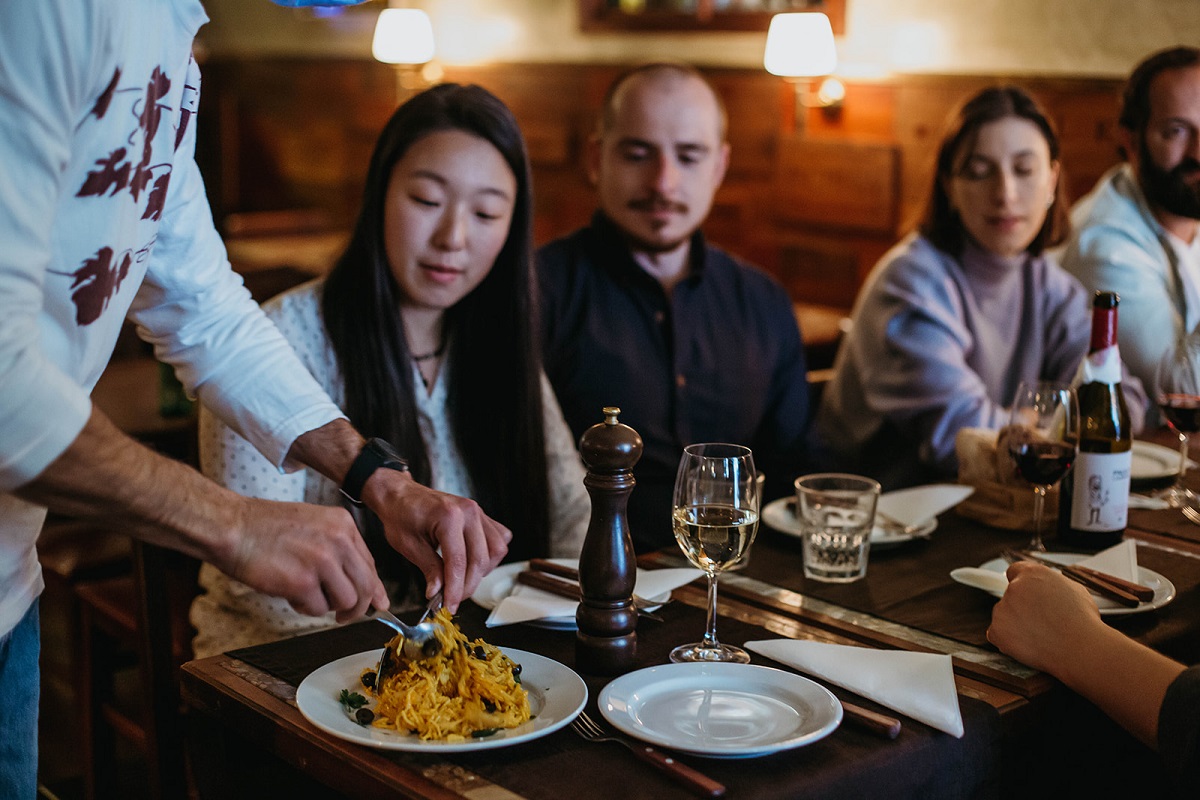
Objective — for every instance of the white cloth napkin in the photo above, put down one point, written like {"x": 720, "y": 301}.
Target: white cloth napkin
{"x": 1119, "y": 560}
{"x": 526, "y": 603}
{"x": 918, "y": 685}
{"x": 918, "y": 505}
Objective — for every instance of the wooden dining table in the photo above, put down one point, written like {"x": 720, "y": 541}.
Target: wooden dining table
{"x": 1026, "y": 735}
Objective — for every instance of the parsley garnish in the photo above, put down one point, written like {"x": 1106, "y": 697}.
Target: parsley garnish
{"x": 351, "y": 700}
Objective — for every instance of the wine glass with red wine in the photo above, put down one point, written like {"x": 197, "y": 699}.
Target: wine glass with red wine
{"x": 1043, "y": 440}
{"x": 1179, "y": 399}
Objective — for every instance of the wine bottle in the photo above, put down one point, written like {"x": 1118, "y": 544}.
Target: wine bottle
{"x": 1094, "y": 502}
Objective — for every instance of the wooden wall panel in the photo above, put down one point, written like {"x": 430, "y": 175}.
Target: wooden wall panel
{"x": 817, "y": 208}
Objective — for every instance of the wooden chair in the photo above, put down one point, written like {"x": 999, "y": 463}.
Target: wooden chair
{"x": 136, "y": 620}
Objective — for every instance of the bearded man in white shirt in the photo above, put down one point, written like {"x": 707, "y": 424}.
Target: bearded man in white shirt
{"x": 1136, "y": 231}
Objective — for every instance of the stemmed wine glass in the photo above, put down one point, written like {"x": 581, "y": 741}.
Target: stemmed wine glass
{"x": 1179, "y": 399}
{"x": 1043, "y": 440}
{"x": 715, "y": 517}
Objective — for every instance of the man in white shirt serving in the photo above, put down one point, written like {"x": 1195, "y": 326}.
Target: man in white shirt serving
{"x": 103, "y": 213}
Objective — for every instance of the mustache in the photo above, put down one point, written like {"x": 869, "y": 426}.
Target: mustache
{"x": 656, "y": 202}
{"x": 1186, "y": 168}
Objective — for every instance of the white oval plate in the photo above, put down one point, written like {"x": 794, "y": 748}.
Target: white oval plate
{"x": 1153, "y": 461}
{"x": 556, "y": 696}
{"x": 778, "y": 514}
{"x": 499, "y": 583}
{"x": 720, "y": 710}
{"x": 1164, "y": 590}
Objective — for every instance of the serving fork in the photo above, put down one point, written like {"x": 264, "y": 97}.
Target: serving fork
{"x": 703, "y": 785}
{"x": 419, "y": 640}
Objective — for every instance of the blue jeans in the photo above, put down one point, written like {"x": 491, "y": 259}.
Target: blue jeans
{"x": 19, "y": 686}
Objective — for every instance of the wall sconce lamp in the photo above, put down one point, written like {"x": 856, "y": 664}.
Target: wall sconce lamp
{"x": 404, "y": 39}
{"x": 799, "y": 48}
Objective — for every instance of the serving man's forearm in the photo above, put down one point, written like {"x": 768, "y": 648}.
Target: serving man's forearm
{"x": 312, "y": 556}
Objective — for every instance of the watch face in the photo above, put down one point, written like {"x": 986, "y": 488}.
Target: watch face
{"x": 390, "y": 457}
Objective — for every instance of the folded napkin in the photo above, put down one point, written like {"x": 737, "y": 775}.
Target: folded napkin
{"x": 918, "y": 505}
{"x": 526, "y": 603}
{"x": 918, "y": 685}
{"x": 1142, "y": 501}
{"x": 1119, "y": 560}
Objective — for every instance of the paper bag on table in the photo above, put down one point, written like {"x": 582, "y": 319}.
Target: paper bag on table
{"x": 1002, "y": 498}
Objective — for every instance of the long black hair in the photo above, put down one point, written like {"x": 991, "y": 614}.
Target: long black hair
{"x": 941, "y": 224}
{"x": 493, "y": 360}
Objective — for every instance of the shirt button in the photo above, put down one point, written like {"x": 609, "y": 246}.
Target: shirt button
{"x": 659, "y": 317}
{"x": 680, "y": 381}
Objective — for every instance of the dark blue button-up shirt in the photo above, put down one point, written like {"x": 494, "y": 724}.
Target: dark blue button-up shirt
{"x": 717, "y": 360}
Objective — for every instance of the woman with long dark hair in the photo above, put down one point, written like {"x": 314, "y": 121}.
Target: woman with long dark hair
{"x": 955, "y": 316}
{"x": 424, "y": 332}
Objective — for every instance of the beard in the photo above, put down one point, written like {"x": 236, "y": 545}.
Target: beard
{"x": 1170, "y": 189}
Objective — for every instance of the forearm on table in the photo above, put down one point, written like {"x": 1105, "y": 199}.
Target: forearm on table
{"x": 1123, "y": 678}
{"x": 105, "y": 475}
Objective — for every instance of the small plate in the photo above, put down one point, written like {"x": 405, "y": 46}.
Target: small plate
{"x": 499, "y": 583}
{"x": 1154, "y": 466}
{"x": 556, "y": 696}
{"x": 1164, "y": 590}
{"x": 720, "y": 710}
{"x": 778, "y": 514}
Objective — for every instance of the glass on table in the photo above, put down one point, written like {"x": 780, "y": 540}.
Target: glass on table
{"x": 1043, "y": 440}
{"x": 714, "y": 517}
{"x": 836, "y": 513}
{"x": 1179, "y": 399}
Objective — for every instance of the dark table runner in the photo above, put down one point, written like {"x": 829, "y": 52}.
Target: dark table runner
{"x": 921, "y": 763}
{"x": 910, "y": 584}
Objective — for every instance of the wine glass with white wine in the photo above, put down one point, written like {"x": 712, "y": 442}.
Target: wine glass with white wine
{"x": 715, "y": 517}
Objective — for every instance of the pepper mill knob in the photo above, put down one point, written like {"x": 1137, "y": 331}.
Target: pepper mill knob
{"x": 606, "y": 640}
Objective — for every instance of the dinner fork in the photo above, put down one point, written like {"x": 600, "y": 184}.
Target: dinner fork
{"x": 1191, "y": 513}
{"x": 703, "y": 785}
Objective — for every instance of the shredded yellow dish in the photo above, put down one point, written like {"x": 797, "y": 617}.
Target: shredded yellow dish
{"x": 468, "y": 689}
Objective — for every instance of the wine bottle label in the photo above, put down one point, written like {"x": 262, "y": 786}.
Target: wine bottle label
{"x": 1102, "y": 366}
{"x": 1100, "y": 501}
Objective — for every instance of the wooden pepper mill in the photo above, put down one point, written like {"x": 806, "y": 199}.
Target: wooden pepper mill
{"x": 606, "y": 641}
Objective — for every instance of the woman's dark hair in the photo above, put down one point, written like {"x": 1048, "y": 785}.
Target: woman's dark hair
{"x": 941, "y": 224}
{"x": 493, "y": 357}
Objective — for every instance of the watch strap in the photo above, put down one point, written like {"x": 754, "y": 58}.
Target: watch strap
{"x": 376, "y": 454}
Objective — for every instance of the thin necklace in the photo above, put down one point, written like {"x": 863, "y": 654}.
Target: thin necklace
{"x": 431, "y": 355}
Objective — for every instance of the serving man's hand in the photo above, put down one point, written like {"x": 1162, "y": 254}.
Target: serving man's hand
{"x": 420, "y": 521}
{"x": 312, "y": 556}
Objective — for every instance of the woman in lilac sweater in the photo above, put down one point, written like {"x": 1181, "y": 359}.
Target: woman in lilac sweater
{"x": 955, "y": 316}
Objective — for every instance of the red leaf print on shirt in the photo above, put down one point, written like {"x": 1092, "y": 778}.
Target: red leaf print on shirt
{"x": 158, "y": 195}
{"x": 95, "y": 283}
{"x": 106, "y": 96}
{"x": 151, "y": 114}
{"x": 110, "y": 175}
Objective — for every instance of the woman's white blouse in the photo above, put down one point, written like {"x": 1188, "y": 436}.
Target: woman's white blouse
{"x": 229, "y": 614}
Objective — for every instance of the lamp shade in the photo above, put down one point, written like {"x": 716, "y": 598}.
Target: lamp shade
{"x": 800, "y": 45}
{"x": 403, "y": 36}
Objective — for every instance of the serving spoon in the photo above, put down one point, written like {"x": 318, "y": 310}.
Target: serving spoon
{"x": 420, "y": 641}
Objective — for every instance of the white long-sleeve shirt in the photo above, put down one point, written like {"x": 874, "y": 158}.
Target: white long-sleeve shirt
{"x": 103, "y": 212}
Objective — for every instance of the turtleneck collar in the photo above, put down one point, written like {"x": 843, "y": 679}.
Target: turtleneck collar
{"x": 986, "y": 267}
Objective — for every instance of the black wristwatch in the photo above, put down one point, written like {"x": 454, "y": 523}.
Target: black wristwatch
{"x": 376, "y": 454}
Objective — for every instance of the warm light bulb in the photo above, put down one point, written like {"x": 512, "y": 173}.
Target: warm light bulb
{"x": 800, "y": 45}
{"x": 403, "y": 36}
